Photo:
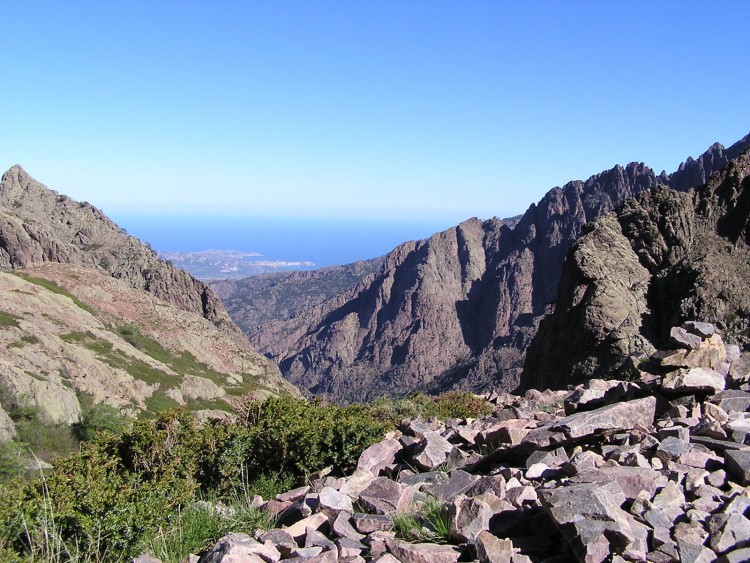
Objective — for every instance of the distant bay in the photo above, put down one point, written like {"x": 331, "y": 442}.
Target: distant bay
{"x": 325, "y": 242}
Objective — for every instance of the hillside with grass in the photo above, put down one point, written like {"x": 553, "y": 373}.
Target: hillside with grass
{"x": 70, "y": 335}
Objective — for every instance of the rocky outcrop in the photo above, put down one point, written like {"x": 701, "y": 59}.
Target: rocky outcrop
{"x": 460, "y": 308}
{"x": 659, "y": 260}
{"x": 640, "y": 471}
{"x": 39, "y": 225}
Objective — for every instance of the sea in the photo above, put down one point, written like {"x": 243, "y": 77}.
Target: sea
{"x": 325, "y": 242}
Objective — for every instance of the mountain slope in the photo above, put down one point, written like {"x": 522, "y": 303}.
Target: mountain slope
{"x": 85, "y": 308}
{"x": 39, "y": 225}
{"x": 659, "y": 260}
{"x": 260, "y": 299}
{"x": 460, "y": 308}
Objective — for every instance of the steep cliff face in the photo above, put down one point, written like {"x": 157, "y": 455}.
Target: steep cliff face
{"x": 659, "y": 260}
{"x": 460, "y": 308}
{"x": 39, "y": 225}
{"x": 278, "y": 296}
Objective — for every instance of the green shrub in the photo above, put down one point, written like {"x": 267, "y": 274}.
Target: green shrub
{"x": 291, "y": 437}
{"x": 453, "y": 404}
{"x": 113, "y": 493}
{"x": 97, "y": 417}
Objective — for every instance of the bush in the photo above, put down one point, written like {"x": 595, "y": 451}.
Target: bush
{"x": 114, "y": 492}
{"x": 453, "y": 404}
{"x": 285, "y": 436}
{"x": 95, "y": 418}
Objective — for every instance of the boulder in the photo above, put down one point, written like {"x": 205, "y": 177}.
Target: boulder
{"x": 236, "y": 547}
{"x": 591, "y": 520}
{"x": 378, "y": 456}
{"x": 738, "y": 465}
{"x": 629, "y": 414}
{"x": 693, "y": 379}
{"x": 432, "y": 451}
{"x": 385, "y": 496}
{"x": 422, "y": 552}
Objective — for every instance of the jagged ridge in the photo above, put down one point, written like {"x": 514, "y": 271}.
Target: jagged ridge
{"x": 460, "y": 308}
{"x": 660, "y": 259}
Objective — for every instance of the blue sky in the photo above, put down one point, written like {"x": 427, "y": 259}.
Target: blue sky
{"x": 432, "y": 111}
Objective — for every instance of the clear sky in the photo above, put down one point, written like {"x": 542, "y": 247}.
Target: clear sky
{"x": 410, "y": 109}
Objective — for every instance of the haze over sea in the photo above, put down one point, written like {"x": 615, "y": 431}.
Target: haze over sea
{"x": 325, "y": 242}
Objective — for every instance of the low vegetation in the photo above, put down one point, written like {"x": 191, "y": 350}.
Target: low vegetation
{"x": 55, "y": 288}
{"x": 143, "y": 487}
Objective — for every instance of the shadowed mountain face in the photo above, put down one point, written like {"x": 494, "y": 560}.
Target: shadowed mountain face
{"x": 661, "y": 259}
{"x": 460, "y": 308}
{"x": 39, "y": 225}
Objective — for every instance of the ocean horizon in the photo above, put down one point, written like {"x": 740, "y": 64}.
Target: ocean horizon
{"x": 325, "y": 242}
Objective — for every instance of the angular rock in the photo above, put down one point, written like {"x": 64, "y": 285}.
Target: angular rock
{"x": 591, "y": 520}
{"x": 683, "y": 338}
{"x": 670, "y": 495}
{"x": 375, "y": 458}
{"x": 349, "y": 548}
{"x": 693, "y": 379}
{"x": 307, "y": 552}
{"x": 385, "y": 496}
{"x": 427, "y": 478}
{"x": 738, "y": 465}
{"x": 240, "y": 547}
{"x": 731, "y": 400}
{"x": 629, "y": 414}
{"x": 313, "y": 538}
{"x": 468, "y": 517}
{"x": 694, "y": 553}
{"x": 460, "y": 481}
{"x": 282, "y": 540}
{"x": 294, "y": 495}
{"x": 357, "y": 482}
{"x": 630, "y": 480}
{"x": 728, "y": 532}
{"x": 343, "y": 528}
{"x": 491, "y": 549}
{"x": 704, "y": 330}
{"x": 671, "y": 448}
{"x": 317, "y": 521}
{"x": 369, "y": 523}
{"x": 422, "y": 552}
{"x": 331, "y": 500}
{"x": 433, "y": 450}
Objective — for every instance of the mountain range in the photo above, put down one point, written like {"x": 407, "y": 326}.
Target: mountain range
{"x": 457, "y": 310}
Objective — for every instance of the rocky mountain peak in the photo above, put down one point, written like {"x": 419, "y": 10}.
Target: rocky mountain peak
{"x": 459, "y": 308}
{"x": 660, "y": 259}
{"x": 39, "y": 225}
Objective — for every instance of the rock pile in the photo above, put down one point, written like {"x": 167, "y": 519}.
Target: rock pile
{"x": 653, "y": 469}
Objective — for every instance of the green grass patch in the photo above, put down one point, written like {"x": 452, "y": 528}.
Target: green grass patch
{"x": 201, "y": 524}
{"x": 115, "y": 358}
{"x": 25, "y": 340}
{"x": 431, "y": 524}
{"x": 55, "y": 288}
{"x": 185, "y": 363}
{"x": 9, "y": 320}
{"x": 159, "y": 402}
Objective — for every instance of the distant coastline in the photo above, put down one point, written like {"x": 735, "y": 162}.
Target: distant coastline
{"x": 322, "y": 242}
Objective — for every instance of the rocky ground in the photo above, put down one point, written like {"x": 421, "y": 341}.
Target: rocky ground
{"x": 655, "y": 468}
